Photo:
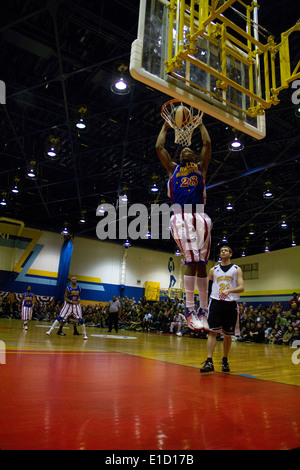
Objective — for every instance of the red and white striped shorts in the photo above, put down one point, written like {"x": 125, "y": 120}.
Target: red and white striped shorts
{"x": 26, "y": 313}
{"x": 191, "y": 232}
{"x": 69, "y": 310}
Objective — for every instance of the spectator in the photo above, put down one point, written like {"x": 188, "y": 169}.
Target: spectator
{"x": 296, "y": 322}
{"x": 288, "y": 336}
{"x": 177, "y": 322}
{"x": 295, "y": 300}
{"x": 244, "y": 332}
{"x": 296, "y": 335}
{"x": 258, "y": 333}
{"x": 276, "y": 335}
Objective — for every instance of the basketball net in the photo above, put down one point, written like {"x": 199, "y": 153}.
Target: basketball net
{"x": 183, "y": 135}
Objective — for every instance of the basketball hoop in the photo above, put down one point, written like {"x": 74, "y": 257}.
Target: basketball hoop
{"x": 183, "y": 135}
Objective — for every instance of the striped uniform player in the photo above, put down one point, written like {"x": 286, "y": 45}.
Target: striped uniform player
{"x": 71, "y": 307}
{"x": 26, "y": 307}
{"x": 190, "y": 226}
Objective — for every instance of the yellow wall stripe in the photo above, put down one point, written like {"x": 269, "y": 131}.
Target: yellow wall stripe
{"x": 268, "y": 292}
{"x": 37, "y": 272}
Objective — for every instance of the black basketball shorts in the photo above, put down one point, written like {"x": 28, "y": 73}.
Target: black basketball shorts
{"x": 222, "y": 316}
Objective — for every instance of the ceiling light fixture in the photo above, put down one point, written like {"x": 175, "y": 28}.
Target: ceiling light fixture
{"x": 82, "y": 219}
{"x": 120, "y": 86}
{"x": 154, "y": 188}
{"x": 15, "y": 188}
{"x": 3, "y": 200}
{"x": 251, "y": 230}
{"x": 229, "y": 206}
{"x": 127, "y": 244}
{"x": 101, "y": 209}
{"x": 267, "y": 246}
{"x": 81, "y": 120}
{"x": 293, "y": 239}
{"x": 224, "y": 239}
{"x": 65, "y": 230}
{"x": 80, "y": 124}
{"x": 32, "y": 171}
{"x": 124, "y": 196}
{"x": 236, "y": 145}
{"x": 52, "y": 147}
{"x": 283, "y": 222}
{"x": 267, "y": 194}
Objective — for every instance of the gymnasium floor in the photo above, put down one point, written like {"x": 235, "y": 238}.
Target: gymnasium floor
{"x": 142, "y": 391}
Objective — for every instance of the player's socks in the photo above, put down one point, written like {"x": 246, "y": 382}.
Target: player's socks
{"x": 202, "y": 312}
{"x": 52, "y": 327}
{"x": 189, "y": 286}
{"x": 84, "y": 331}
{"x": 202, "y": 285}
{"x": 193, "y": 322}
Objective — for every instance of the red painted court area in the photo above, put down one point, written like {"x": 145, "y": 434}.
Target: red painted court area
{"x": 118, "y": 401}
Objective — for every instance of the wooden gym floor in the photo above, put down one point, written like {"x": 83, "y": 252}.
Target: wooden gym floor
{"x": 142, "y": 391}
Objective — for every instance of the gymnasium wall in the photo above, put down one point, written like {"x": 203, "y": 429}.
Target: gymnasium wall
{"x": 278, "y": 277}
{"x": 105, "y": 269}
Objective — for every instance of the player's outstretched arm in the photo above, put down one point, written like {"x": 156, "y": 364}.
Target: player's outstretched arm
{"x": 162, "y": 153}
{"x": 206, "y": 149}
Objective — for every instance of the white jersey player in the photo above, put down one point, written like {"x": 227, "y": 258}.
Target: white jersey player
{"x": 227, "y": 282}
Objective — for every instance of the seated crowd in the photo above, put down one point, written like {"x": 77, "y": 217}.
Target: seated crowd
{"x": 272, "y": 324}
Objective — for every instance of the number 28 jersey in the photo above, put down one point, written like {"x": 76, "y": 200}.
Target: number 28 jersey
{"x": 223, "y": 280}
{"x": 186, "y": 185}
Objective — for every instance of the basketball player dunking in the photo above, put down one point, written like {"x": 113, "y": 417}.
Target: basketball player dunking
{"x": 191, "y": 231}
{"x": 71, "y": 307}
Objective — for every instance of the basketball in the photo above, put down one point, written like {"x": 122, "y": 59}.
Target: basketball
{"x": 182, "y": 116}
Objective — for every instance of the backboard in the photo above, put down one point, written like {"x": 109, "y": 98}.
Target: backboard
{"x": 191, "y": 53}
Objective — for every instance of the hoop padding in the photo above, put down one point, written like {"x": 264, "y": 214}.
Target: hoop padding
{"x": 183, "y": 135}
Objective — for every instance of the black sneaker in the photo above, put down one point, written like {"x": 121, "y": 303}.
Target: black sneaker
{"x": 208, "y": 367}
{"x": 225, "y": 366}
